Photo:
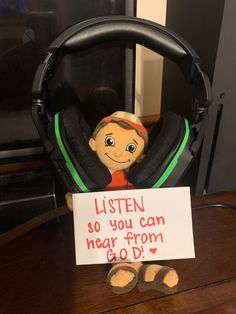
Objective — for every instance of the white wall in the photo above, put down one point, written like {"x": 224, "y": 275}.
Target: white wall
{"x": 149, "y": 65}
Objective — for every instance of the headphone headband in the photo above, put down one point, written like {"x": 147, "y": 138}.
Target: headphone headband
{"x": 149, "y": 34}
{"x": 152, "y": 35}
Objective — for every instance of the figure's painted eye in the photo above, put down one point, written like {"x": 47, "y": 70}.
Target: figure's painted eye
{"x": 131, "y": 147}
{"x": 109, "y": 141}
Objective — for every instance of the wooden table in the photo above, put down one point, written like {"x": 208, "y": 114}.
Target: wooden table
{"x": 38, "y": 272}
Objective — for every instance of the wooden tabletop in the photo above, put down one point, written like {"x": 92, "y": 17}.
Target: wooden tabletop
{"x": 38, "y": 272}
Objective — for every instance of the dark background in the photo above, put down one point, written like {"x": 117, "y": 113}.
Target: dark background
{"x": 27, "y": 28}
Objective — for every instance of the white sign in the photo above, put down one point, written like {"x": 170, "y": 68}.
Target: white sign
{"x": 133, "y": 225}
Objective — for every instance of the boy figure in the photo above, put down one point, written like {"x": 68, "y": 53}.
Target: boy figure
{"x": 119, "y": 140}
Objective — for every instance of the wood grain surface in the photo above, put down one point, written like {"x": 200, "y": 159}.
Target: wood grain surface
{"x": 38, "y": 272}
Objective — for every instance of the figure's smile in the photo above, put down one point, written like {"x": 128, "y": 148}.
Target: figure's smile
{"x": 120, "y": 162}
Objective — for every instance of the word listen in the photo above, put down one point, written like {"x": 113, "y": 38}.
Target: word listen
{"x": 119, "y": 205}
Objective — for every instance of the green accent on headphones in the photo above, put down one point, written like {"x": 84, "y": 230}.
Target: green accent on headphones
{"x": 174, "y": 160}
{"x": 69, "y": 164}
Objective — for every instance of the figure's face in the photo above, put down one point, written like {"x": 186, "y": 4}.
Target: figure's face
{"x": 116, "y": 147}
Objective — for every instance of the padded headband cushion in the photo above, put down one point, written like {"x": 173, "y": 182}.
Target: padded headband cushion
{"x": 75, "y": 134}
{"x": 164, "y": 140}
{"x": 89, "y": 33}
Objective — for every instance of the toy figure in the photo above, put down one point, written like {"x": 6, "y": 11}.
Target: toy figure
{"x": 120, "y": 140}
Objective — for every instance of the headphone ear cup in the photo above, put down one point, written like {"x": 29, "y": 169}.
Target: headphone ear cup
{"x": 164, "y": 142}
{"x": 82, "y": 168}
{"x": 62, "y": 96}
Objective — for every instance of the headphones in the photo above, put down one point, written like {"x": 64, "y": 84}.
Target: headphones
{"x": 173, "y": 141}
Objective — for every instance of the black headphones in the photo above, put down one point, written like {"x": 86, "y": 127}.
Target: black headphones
{"x": 173, "y": 141}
